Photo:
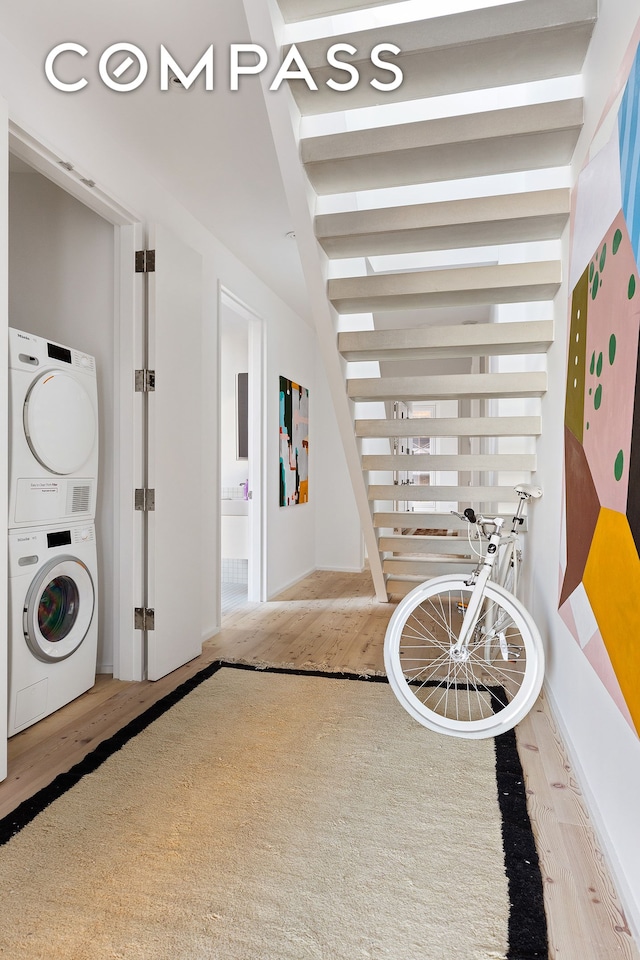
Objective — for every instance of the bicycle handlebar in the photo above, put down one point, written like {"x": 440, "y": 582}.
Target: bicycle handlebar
{"x": 472, "y": 517}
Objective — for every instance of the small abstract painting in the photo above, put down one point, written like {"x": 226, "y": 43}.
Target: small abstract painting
{"x": 294, "y": 443}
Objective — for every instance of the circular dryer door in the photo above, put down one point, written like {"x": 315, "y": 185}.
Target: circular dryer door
{"x": 58, "y": 609}
{"x": 59, "y": 422}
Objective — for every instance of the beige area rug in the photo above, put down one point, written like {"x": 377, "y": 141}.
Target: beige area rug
{"x": 266, "y": 816}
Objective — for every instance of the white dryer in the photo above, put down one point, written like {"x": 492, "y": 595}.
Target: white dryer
{"x": 53, "y": 432}
{"x": 53, "y": 619}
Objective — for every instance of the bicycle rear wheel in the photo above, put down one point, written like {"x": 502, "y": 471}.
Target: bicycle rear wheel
{"x": 482, "y": 693}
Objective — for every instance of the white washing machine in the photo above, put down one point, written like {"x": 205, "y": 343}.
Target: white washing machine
{"x": 53, "y": 432}
{"x": 53, "y": 619}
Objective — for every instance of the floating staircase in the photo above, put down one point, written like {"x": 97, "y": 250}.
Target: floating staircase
{"x": 431, "y": 217}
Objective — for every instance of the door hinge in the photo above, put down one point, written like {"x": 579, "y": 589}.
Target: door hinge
{"x": 145, "y": 261}
{"x": 145, "y": 381}
{"x": 144, "y": 618}
{"x": 145, "y": 499}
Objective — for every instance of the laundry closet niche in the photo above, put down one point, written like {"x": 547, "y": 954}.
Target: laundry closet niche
{"x": 62, "y": 288}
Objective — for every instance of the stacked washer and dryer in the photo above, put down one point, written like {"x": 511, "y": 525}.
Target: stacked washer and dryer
{"x": 53, "y": 479}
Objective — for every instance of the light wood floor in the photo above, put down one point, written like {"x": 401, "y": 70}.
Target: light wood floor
{"x": 332, "y": 621}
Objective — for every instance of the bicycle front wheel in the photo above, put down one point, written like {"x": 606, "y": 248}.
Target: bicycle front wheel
{"x": 482, "y": 691}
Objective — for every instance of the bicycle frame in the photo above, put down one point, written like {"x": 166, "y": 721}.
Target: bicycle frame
{"x": 472, "y": 612}
{"x": 509, "y": 558}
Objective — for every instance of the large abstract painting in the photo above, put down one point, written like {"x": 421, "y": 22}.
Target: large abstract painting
{"x": 600, "y": 575}
{"x": 294, "y": 443}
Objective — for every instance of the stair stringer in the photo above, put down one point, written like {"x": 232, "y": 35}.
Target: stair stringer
{"x": 265, "y": 25}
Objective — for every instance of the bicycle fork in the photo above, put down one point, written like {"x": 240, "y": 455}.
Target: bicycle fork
{"x": 460, "y": 649}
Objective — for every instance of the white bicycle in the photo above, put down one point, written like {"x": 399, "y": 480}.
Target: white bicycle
{"x": 462, "y": 654}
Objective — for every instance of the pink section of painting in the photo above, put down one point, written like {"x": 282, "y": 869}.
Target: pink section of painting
{"x": 612, "y": 349}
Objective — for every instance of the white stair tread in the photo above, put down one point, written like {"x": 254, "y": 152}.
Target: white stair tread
{"x": 449, "y": 386}
{"x": 459, "y": 340}
{"x": 459, "y": 546}
{"x": 496, "y": 141}
{"x": 454, "y": 461}
{"x": 446, "y": 225}
{"x": 398, "y": 586}
{"x": 295, "y": 10}
{"x": 451, "y": 427}
{"x": 423, "y": 492}
{"x": 472, "y": 50}
{"x": 428, "y": 568}
{"x": 458, "y": 286}
{"x": 415, "y": 520}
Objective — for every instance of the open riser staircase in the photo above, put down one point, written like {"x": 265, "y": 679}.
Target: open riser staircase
{"x": 436, "y": 212}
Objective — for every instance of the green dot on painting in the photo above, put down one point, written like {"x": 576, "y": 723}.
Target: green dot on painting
{"x": 612, "y": 347}
{"x": 599, "y": 365}
{"x": 592, "y": 365}
{"x": 618, "y": 465}
{"x": 603, "y": 257}
{"x": 587, "y": 424}
{"x": 590, "y": 391}
{"x": 632, "y": 287}
{"x": 591, "y": 269}
{"x": 596, "y": 284}
{"x": 597, "y": 399}
{"x": 617, "y": 240}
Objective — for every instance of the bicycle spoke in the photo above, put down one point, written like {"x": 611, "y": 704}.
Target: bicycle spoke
{"x": 432, "y": 665}
{"x": 497, "y": 674}
{"x": 423, "y": 631}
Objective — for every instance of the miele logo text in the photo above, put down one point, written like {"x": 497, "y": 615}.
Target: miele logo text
{"x": 124, "y": 67}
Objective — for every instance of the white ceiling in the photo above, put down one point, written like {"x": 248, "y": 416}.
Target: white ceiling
{"x": 212, "y": 150}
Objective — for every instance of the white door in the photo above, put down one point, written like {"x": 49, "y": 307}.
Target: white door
{"x": 4, "y": 426}
{"x": 174, "y": 559}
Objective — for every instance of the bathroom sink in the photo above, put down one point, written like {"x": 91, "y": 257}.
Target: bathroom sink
{"x": 234, "y": 508}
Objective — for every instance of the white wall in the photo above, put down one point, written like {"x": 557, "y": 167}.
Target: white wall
{"x": 291, "y": 531}
{"x": 604, "y": 750}
{"x": 61, "y": 286}
{"x": 339, "y": 543}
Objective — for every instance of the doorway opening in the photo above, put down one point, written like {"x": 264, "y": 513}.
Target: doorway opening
{"x": 241, "y": 353}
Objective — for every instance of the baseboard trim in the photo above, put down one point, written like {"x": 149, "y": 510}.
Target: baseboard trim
{"x": 272, "y": 594}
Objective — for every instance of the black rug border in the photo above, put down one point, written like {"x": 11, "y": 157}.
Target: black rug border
{"x": 527, "y": 925}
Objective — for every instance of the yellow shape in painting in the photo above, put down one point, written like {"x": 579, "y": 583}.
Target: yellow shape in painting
{"x": 612, "y": 582}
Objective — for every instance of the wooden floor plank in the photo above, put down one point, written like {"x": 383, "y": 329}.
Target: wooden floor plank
{"x": 334, "y": 622}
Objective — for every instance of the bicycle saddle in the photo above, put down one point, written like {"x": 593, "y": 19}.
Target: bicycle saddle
{"x": 527, "y": 490}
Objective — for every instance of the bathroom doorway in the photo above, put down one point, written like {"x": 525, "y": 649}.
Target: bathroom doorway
{"x": 242, "y": 577}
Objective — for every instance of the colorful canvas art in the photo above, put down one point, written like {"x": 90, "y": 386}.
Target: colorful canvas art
{"x": 600, "y": 576}
{"x": 294, "y": 443}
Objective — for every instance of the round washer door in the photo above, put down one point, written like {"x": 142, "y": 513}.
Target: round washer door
{"x": 58, "y": 609}
{"x": 59, "y": 422}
